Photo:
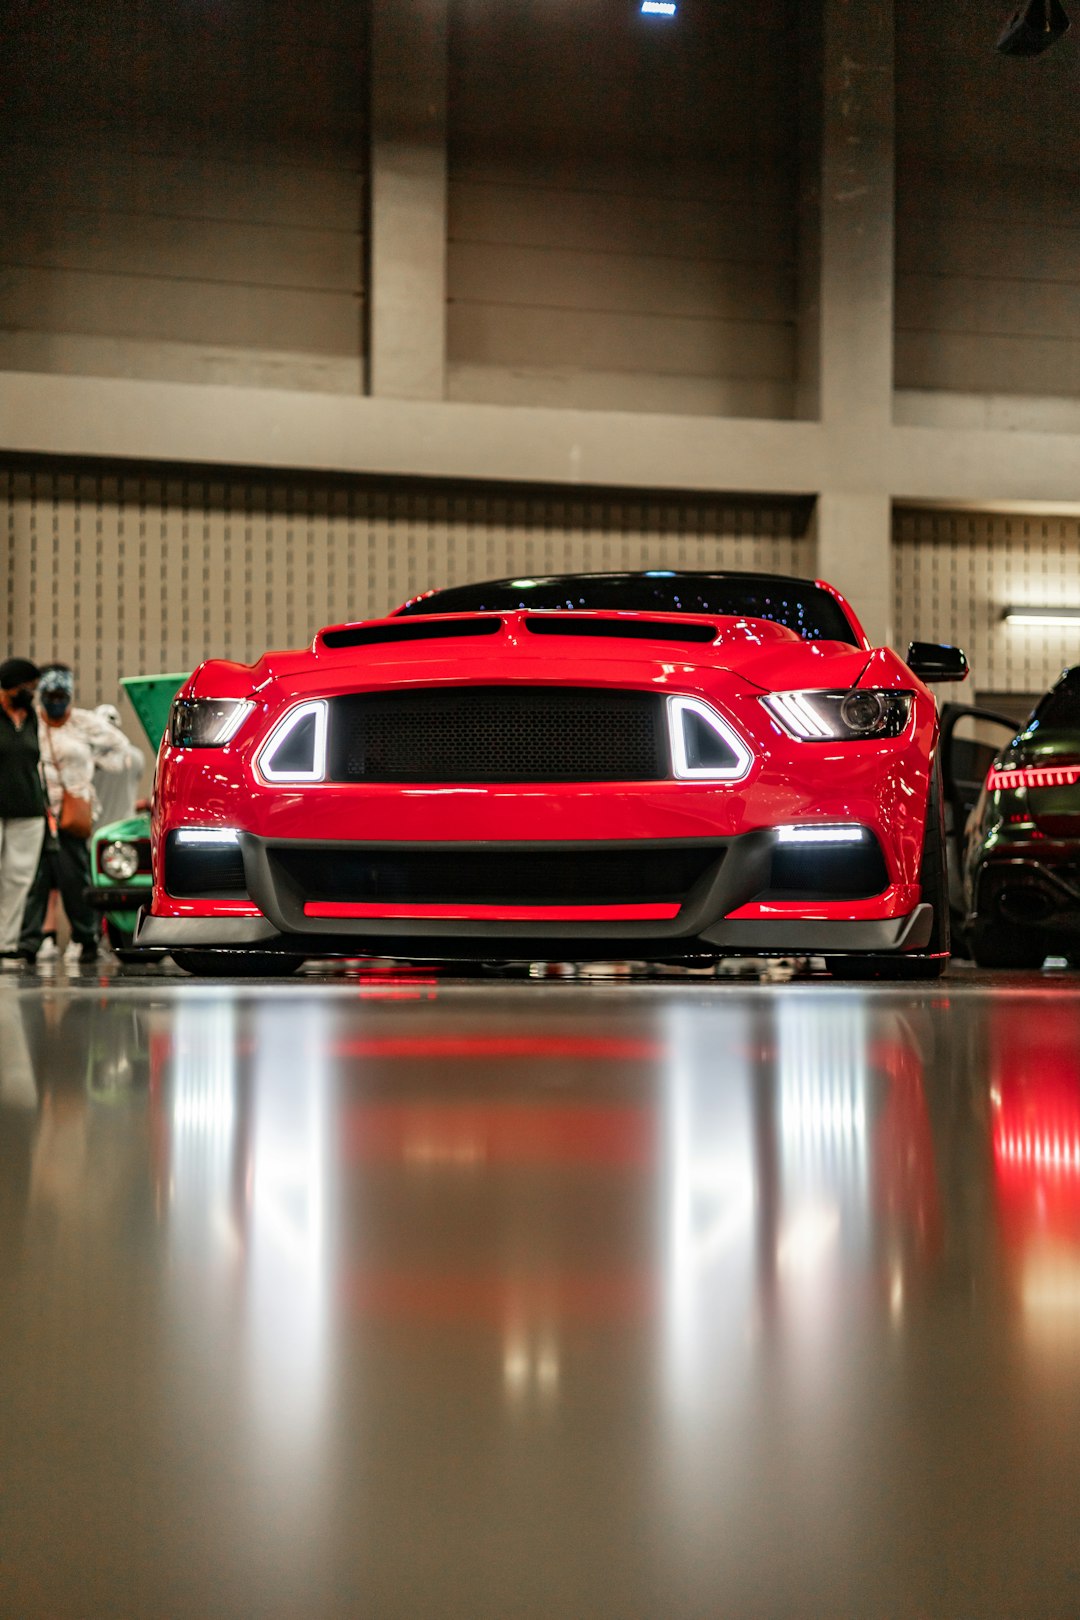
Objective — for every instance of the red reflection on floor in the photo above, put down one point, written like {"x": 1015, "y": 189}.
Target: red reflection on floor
{"x": 497, "y": 1046}
{"x": 462, "y": 1136}
{"x": 905, "y": 1174}
{"x": 1035, "y": 1100}
{"x": 499, "y": 1299}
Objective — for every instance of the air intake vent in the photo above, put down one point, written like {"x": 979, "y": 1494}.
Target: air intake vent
{"x": 374, "y": 635}
{"x": 203, "y": 871}
{"x": 574, "y": 875}
{"x": 499, "y": 734}
{"x": 622, "y": 629}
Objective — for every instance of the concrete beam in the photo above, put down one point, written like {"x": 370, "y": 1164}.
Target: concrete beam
{"x": 407, "y": 218}
{"x": 86, "y": 416}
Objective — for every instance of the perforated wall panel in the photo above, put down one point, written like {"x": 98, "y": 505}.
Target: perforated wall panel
{"x": 123, "y": 572}
{"x": 955, "y": 573}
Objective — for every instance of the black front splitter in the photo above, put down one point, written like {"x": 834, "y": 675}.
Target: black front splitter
{"x": 506, "y": 942}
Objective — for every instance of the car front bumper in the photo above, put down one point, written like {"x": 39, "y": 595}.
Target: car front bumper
{"x": 594, "y": 898}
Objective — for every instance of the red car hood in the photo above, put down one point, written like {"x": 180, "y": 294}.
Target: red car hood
{"x": 619, "y": 651}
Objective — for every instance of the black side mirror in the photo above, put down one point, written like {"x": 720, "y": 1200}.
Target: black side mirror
{"x": 931, "y": 661}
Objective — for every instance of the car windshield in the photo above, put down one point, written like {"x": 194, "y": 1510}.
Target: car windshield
{"x": 1060, "y": 708}
{"x": 800, "y": 605}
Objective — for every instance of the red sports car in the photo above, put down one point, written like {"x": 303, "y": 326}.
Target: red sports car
{"x": 658, "y": 765}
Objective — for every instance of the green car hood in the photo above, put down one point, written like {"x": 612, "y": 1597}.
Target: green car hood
{"x": 151, "y": 697}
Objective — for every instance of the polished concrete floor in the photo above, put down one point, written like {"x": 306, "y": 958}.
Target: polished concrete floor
{"x": 377, "y": 1297}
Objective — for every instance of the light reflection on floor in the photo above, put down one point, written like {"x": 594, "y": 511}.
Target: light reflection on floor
{"x": 395, "y": 1295}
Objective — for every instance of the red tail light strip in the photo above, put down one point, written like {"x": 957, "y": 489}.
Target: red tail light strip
{"x": 1033, "y": 776}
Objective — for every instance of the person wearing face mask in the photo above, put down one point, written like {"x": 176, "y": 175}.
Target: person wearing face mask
{"x": 67, "y": 761}
{"x": 22, "y": 802}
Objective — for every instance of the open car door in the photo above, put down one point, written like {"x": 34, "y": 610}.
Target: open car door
{"x": 970, "y": 738}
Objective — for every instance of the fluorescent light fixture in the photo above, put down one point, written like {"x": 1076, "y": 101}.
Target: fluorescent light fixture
{"x": 1042, "y": 615}
{"x": 208, "y": 835}
{"x": 821, "y": 835}
{"x": 658, "y": 8}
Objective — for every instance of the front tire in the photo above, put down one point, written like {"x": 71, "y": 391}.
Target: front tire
{"x": 236, "y": 964}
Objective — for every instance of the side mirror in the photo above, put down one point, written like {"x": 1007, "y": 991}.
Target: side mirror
{"x": 931, "y": 661}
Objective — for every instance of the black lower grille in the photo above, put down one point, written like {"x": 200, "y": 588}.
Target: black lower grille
{"x": 579, "y": 876}
{"x": 826, "y": 872}
{"x": 203, "y": 871}
{"x": 498, "y": 734}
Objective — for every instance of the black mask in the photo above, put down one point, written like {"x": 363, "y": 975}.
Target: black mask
{"x": 23, "y": 699}
{"x": 56, "y": 705}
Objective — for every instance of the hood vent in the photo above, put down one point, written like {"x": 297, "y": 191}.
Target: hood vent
{"x": 582, "y": 624}
{"x": 376, "y": 635}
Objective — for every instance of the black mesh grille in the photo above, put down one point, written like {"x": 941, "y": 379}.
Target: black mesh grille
{"x": 579, "y": 876}
{"x": 498, "y": 734}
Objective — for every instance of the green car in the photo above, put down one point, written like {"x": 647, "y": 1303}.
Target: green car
{"x": 120, "y": 876}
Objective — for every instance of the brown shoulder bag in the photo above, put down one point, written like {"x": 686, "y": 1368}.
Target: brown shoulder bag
{"x": 76, "y": 813}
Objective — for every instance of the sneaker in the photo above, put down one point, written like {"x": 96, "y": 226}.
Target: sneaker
{"x": 88, "y": 954}
{"x": 48, "y": 948}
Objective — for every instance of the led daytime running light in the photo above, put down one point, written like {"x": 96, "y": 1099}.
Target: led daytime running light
{"x": 1032, "y": 776}
{"x": 280, "y": 734}
{"x": 820, "y": 835}
{"x": 798, "y": 714}
{"x": 679, "y": 708}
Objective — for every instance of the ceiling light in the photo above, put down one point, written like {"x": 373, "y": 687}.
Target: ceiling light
{"x": 1041, "y": 615}
{"x": 658, "y": 8}
{"x": 1034, "y": 28}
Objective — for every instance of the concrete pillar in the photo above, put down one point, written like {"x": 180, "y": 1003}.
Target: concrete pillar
{"x": 856, "y": 304}
{"x": 857, "y": 231}
{"x": 854, "y": 552}
{"x": 407, "y": 244}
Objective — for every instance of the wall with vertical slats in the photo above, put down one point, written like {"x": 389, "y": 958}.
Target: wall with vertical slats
{"x": 126, "y": 571}
{"x": 955, "y": 573}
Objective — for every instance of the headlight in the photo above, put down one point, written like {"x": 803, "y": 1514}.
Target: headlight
{"x": 206, "y": 722}
{"x": 119, "y": 861}
{"x": 840, "y": 716}
{"x": 295, "y": 750}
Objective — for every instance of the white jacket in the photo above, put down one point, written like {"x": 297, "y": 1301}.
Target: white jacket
{"x": 70, "y": 753}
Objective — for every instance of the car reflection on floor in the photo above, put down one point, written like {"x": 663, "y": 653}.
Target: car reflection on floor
{"x": 673, "y": 1260}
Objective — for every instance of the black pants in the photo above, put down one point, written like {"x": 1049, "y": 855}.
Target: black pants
{"x": 64, "y": 865}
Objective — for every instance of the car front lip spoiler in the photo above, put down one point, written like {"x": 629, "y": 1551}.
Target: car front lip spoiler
{"x": 773, "y": 937}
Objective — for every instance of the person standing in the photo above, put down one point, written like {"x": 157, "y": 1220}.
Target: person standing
{"x": 118, "y": 764}
{"x": 68, "y": 765}
{"x": 22, "y": 802}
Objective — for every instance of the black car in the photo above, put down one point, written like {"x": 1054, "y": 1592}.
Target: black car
{"x": 1021, "y": 866}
